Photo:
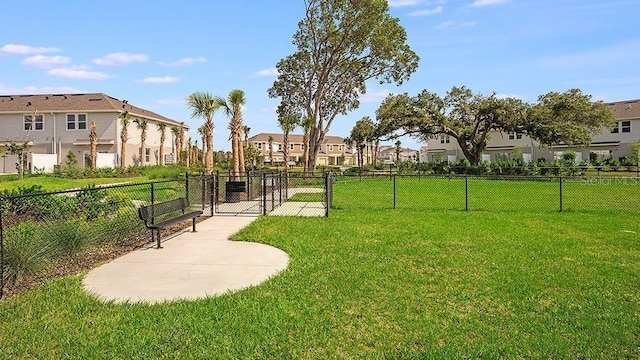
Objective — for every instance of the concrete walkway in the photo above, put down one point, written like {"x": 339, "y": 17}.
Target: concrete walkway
{"x": 189, "y": 266}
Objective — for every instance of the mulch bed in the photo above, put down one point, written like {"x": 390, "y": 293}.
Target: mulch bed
{"x": 86, "y": 260}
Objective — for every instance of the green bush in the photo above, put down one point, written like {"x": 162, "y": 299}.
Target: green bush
{"x": 67, "y": 237}
{"x": 25, "y": 250}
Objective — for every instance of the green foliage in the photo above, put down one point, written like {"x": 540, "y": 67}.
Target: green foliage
{"x": 25, "y": 250}
{"x": 67, "y": 237}
{"x": 635, "y": 154}
{"x": 340, "y": 45}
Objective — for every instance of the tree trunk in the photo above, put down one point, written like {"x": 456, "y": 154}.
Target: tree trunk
{"x": 209, "y": 155}
{"x": 123, "y": 147}
{"x": 235, "y": 144}
{"x": 241, "y": 154}
{"x": 285, "y": 150}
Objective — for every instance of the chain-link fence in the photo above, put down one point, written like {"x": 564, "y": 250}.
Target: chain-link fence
{"x": 264, "y": 192}
{"x": 487, "y": 193}
{"x": 66, "y": 228}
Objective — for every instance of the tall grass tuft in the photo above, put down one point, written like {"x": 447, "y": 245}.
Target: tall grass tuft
{"x": 25, "y": 251}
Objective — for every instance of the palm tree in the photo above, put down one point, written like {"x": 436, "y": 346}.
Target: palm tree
{"x": 176, "y": 143}
{"x": 246, "y": 130}
{"x": 270, "y": 141}
{"x": 307, "y": 124}
{"x": 93, "y": 142}
{"x": 398, "y": 150}
{"x": 181, "y": 140}
{"x": 142, "y": 125}
{"x": 201, "y": 132}
{"x": 233, "y": 109}
{"x": 162, "y": 127}
{"x": 125, "y": 120}
{"x": 203, "y": 105}
{"x": 287, "y": 123}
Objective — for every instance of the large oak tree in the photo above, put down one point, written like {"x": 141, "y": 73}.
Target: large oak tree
{"x": 341, "y": 44}
{"x": 569, "y": 118}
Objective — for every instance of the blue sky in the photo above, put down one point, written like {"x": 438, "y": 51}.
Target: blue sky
{"x": 155, "y": 53}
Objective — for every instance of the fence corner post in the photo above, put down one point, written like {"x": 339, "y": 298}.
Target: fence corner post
{"x": 560, "y": 181}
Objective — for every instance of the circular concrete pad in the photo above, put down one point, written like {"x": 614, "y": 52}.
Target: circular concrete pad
{"x": 188, "y": 266}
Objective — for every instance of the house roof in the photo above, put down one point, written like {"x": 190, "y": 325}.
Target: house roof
{"x": 93, "y": 102}
{"x": 293, "y": 138}
{"x": 628, "y": 109}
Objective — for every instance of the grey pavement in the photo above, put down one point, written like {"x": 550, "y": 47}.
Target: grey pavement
{"x": 189, "y": 266}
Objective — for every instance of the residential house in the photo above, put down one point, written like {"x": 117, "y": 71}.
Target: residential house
{"x": 333, "y": 152}
{"x": 389, "y": 153}
{"x": 55, "y": 124}
{"x": 610, "y": 143}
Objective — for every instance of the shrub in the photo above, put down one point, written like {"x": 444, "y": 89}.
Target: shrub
{"x": 67, "y": 237}
{"x": 25, "y": 251}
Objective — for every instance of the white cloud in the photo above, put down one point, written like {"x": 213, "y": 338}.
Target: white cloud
{"x": 171, "y": 102}
{"x": 78, "y": 73}
{"x": 508, "y": 96}
{"x": 423, "y": 12}
{"x": 43, "y": 61}
{"x": 478, "y": 3}
{"x": 37, "y": 90}
{"x": 121, "y": 59}
{"x": 399, "y": 3}
{"x": 267, "y": 72}
{"x": 25, "y": 49}
{"x": 184, "y": 62}
{"x": 455, "y": 24}
{"x": 374, "y": 96}
{"x": 159, "y": 80}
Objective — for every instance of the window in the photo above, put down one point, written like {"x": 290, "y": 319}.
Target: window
{"x": 340, "y": 147}
{"x": 330, "y": 147}
{"x": 445, "y": 139}
{"x": 625, "y": 126}
{"x": 76, "y": 121}
{"x": 260, "y": 146}
{"x": 301, "y": 146}
{"x": 31, "y": 124}
{"x": 621, "y": 126}
{"x": 291, "y": 146}
{"x": 147, "y": 155}
{"x": 515, "y": 135}
{"x": 279, "y": 147}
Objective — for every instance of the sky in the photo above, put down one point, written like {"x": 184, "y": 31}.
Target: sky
{"x": 155, "y": 53}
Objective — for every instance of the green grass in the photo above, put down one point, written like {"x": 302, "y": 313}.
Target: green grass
{"x": 377, "y": 284}
{"x": 50, "y": 183}
{"x": 441, "y": 193}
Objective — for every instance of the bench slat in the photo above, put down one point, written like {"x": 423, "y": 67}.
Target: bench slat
{"x": 164, "y": 224}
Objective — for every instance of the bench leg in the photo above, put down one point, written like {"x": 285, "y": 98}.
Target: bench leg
{"x": 194, "y": 224}
{"x": 158, "y": 239}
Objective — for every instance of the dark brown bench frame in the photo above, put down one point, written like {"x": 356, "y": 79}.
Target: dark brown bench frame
{"x": 149, "y": 213}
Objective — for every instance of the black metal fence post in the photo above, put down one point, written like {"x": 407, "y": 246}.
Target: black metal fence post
{"x": 394, "y": 192}
{"x": 466, "y": 193}
{"x": 186, "y": 185}
{"x": 560, "y": 180}
{"x": 264, "y": 193}
{"x": 153, "y": 200}
{"x": 327, "y": 184}
{"x": 280, "y": 187}
{"x": 212, "y": 187}
{"x": 1, "y": 253}
{"x": 203, "y": 189}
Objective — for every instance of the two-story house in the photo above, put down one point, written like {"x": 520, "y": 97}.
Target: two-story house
{"x": 55, "y": 124}
{"x": 390, "y": 153}
{"x": 610, "y": 143}
{"x": 333, "y": 151}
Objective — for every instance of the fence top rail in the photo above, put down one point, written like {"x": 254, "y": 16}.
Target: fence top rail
{"x": 487, "y": 177}
{"x": 88, "y": 188}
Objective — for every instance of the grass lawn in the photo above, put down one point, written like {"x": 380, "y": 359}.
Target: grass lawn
{"x": 50, "y": 183}
{"x": 377, "y": 284}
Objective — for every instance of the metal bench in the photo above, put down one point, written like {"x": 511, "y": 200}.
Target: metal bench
{"x": 171, "y": 212}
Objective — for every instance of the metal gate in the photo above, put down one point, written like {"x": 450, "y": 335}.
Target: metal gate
{"x": 250, "y": 193}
